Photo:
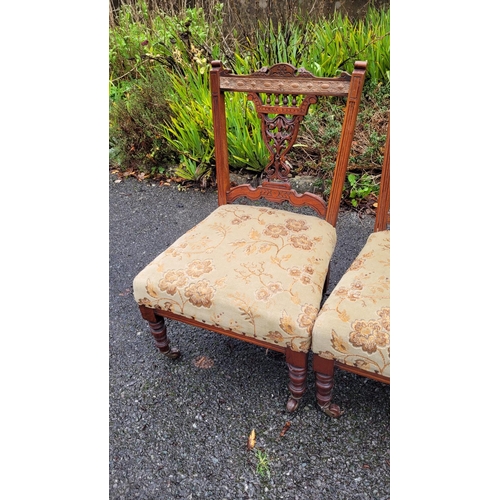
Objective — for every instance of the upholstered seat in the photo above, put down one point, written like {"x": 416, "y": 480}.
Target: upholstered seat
{"x": 255, "y": 271}
{"x": 353, "y": 325}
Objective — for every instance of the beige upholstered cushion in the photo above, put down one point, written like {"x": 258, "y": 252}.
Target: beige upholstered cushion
{"x": 255, "y": 271}
{"x": 353, "y": 325}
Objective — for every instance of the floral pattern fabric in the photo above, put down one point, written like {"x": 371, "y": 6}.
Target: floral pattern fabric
{"x": 256, "y": 271}
{"x": 353, "y": 325}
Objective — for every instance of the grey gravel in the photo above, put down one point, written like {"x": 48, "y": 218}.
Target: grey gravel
{"x": 179, "y": 431}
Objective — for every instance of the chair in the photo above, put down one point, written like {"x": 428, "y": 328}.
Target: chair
{"x": 246, "y": 271}
{"x": 352, "y": 329}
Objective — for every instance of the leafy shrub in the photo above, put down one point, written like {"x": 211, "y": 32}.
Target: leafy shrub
{"x": 189, "y": 130}
{"x": 160, "y": 118}
{"x": 136, "y": 118}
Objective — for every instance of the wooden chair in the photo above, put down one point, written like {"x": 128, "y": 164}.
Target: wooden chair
{"x": 352, "y": 330}
{"x": 250, "y": 272}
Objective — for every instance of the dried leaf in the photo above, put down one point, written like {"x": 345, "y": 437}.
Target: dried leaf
{"x": 285, "y": 429}
{"x": 251, "y": 440}
{"x": 203, "y": 362}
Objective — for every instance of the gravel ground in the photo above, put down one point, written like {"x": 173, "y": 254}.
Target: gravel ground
{"x": 180, "y": 431}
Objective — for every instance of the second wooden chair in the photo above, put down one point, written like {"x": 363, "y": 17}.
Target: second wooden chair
{"x": 352, "y": 330}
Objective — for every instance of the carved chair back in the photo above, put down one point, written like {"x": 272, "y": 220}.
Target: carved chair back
{"x": 282, "y": 95}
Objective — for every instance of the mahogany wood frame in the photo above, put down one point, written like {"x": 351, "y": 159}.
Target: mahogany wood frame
{"x": 286, "y": 85}
{"x": 324, "y": 368}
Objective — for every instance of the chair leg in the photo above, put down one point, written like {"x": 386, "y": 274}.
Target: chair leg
{"x": 297, "y": 372}
{"x": 324, "y": 369}
{"x": 159, "y": 330}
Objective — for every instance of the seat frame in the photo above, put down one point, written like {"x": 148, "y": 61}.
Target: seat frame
{"x": 274, "y": 91}
{"x": 324, "y": 368}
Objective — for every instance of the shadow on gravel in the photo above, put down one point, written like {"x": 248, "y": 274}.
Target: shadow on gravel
{"x": 179, "y": 429}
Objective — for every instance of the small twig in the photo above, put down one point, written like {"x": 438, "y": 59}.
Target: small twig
{"x": 124, "y": 75}
{"x": 364, "y": 48}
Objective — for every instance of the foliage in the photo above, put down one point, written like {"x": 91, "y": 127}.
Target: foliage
{"x": 245, "y": 145}
{"x": 277, "y": 43}
{"x": 149, "y": 99}
{"x": 160, "y": 119}
{"x": 325, "y": 47}
{"x": 338, "y": 43}
{"x": 262, "y": 468}
{"x": 135, "y": 131}
{"x": 138, "y": 36}
{"x": 189, "y": 129}
{"x": 360, "y": 186}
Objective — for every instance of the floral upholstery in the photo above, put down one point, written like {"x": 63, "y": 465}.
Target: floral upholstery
{"x": 256, "y": 271}
{"x": 353, "y": 326}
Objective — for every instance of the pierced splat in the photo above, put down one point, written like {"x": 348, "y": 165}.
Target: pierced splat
{"x": 281, "y": 115}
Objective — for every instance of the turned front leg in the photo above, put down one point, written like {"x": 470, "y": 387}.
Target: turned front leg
{"x": 159, "y": 331}
{"x": 297, "y": 372}
{"x": 324, "y": 369}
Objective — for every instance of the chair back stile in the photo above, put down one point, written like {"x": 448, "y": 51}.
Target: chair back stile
{"x": 382, "y": 217}
{"x": 337, "y": 341}
{"x": 344, "y": 149}
{"x": 220, "y": 136}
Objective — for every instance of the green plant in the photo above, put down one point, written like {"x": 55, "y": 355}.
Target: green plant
{"x": 190, "y": 170}
{"x": 335, "y": 44}
{"x": 138, "y": 36}
{"x": 160, "y": 119}
{"x": 262, "y": 467}
{"x": 277, "y": 42}
{"x": 189, "y": 128}
{"x": 360, "y": 186}
{"x": 136, "y": 115}
{"x": 325, "y": 46}
{"x": 246, "y": 147}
